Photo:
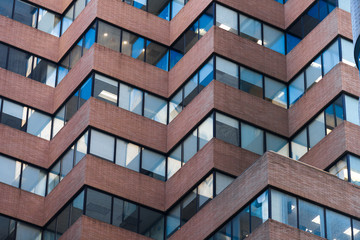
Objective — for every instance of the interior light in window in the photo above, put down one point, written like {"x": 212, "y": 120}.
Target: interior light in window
{"x": 108, "y": 96}
{"x": 105, "y": 34}
{"x": 223, "y": 26}
{"x": 125, "y": 42}
{"x": 259, "y": 42}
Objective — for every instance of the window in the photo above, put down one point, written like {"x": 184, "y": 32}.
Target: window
{"x": 205, "y": 190}
{"x": 54, "y": 177}
{"x": 25, "y": 231}
{"x": 250, "y": 29}
{"x": 159, "y": 8}
{"x": 173, "y": 221}
{"x": 241, "y": 224}
{"x": 252, "y": 138}
{"x": 10, "y": 171}
{"x": 251, "y": 82}
{"x": 224, "y": 233}
{"x": 177, "y": 5}
{"x": 133, "y": 46}
{"x": 356, "y": 229}
{"x": 130, "y": 99}
{"x": 7, "y": 228}
{"x": 33, "y": 180}
{"x": 206, "y": 130}
{"x": 67, "y": 20}
{"x": 313, "y": 72}
{"x": 20, "y": 62}
{"x": 316, "y": 130}
{"x": 102, "y": 145}
{"x": 109, "y": 36}
{"x": 340, "y": 169}
{"x": 275, "y": 92}
{"x": 226, "y": 19}
{"x": 337, "y": 226}
{"x": 3, "y": 51}
{"x": 98, "y": 205}
{"x": 67, "y": 162}
{"x": 206, "y": 74}
{"x": 311, "y": 218}
{"x": 6, "y": 8}
{"x": 352, "y": 110}
{"x": 14, "y": 115}
{"x": 105, "y": 89}
{"x": 299, "y": 145}
{"x": 77, "y": 208}
{"x": 174, "y": 162}
{"x": 39, "y": 124}
{"x": 59, "y": 121}
{"x": 277, "y": 144}
{"x": 190, "y": 90}
{"x": 157, "y": 55}
{"x": 81, "y": 148}
{"x": 354, "y": 169}
{"x": 85, "y": 92}
{"x": 227, "y": 72}
{"x": 189, "y": 207}
{"x": 331, "y": 57}
{"x": 49, "y": 22}
{"x": 206, "y": 21}
{"x": 259, "y": 210}
{"x": 227, "y": 129}
{"x": 125, "y": 215}
{"x": 153, "y": 164}
{"x": 79, "y": 6}
{"x": 283, "y": 208}
{"x": 347, "y": 48}
{"x": 190, "y": 146}
{"x": 127, "y": 155}
{"x": 175, "y": 105}
{"x": 155, "y": 108}
{"x": 141, "y": 4}
{"x": 76, "y": 53}
{"x": 222, "y": 181}
{"x": 296, "y": 89}
{"x": 191, "y": 36}
{"x": 44, "y": 71}
{"x": 274, "y": 39}
{"x": 151, "y": 223}
{"x": 89, "y": 38}
{"x": 25, "y": 13}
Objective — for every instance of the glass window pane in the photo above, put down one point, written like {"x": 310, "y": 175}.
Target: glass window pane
{"x": 206, "y": 130}
{"x": 274, "y": 39}
{"x": 251, "y": 82}
{"x": 331, "y": 57}
{"x": 39, "y": 124}
{"x": 283, "y": 208}
{"x": 175, "y": 56}
{"x": 354, "y": 169}
{"x": 339, "y": 110}
{"x": 347, "y": 49}
{"x": 191, "y": 36}
{"x": 7, "y": 228}
{"x": 130, "y": 99}
{"x": 109, "y": 36}
{"x": 25, "y": 231}
{"x": 33, "y": 180}
{"x": 222, "y": 181}
{"x": 206, "y": 190}
{"x": 296, "y": 89}
{"x": 44, "y": 72}
{"x": 89, "y": 38}
{"x": 63, "y": 221}
{"x": 316, "y": 130}
{"x": 275, "y": 92}
{"x": 177, "y": 5}
{"x": 206, "y": 74}
{"x": 25, "y": 13}
{"x": 59, "y": 121}
{"x": 173, "y": 221}
{"x": 3, "y": 51}
{"x": 356, "y": 229}
{"x": 340, "y": 169}
{"x": 224, "y": 233}
{"x": 127, "y": 155}
{"x": 226, "y": 19}
{"x": 159, "y": 8}
{"x": 19, "y": 62}
{"x": 76, "y": 53}
{"x": 345, "y": 5}
{"x": 313, "y": 72}
{"x": 79, "y": 6}
{"x": 175, "y": 105}
{"x": 311, "y": 218}
{"x": 67, "y": 19}
{"x": 299, "y": 145}
{"x": 151, "y": 223}
{"x": 133, "y": 45}
{"x": 14, "y": 115}
{"x": 10, "y": 171}
{"x": 85, "y": 91}
{"x": 259, "y": 210}
{"x": 241, "y": 225}
{"x": 190, "y": 90}
{"x": 227, "y": 129}
{"x": 291, "y": 41}
{"x": 174, "y": 162}
{"x": 352, "y": 110}
{"x": 77, "y": 208}
{"x": 188, "y": 207}
{"x": 105, "y": 89}
{"x": 250, "y": 29}
{"x": 71, "y": 106}
{"x": 153, "y": 164}
{"x": 157, "y": 55}
{"x": 141, "y": 4}
{"x": 155, "y": 108}
{"x": 206, "y": 21}
{"x": 81, "y": 147}
{"x": 190, "y": 146}
{"x": 6, "y": 8}
{"x": 125, "y": 215}
{"x": 252, "y": 138}
{"x": 277, "y": 144}
{"x": 102, "y": 145}
{"x": 54, "y": 177}
{"x": 337, "y": 226}
{"x": 98, "y": 205}
{"x": 49, "y": 22}
{"x": 227, "y": 72}
{"x": 67, "y": 162}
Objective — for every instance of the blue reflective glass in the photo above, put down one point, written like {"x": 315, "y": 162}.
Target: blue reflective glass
{"x": 137, "y": 48}
{"x": 205, "y": 22}
{"x": 85, "y": 91}
{"x": 174, "y": 58}
{"x": 314, "y": 11}
{"x": 165, "y": 13}
{"x": 177, "y": 5}
{"x": 291, "y": 42}
{"x": 90, "y": 38}
{"x": 296, "y": 89}
{"x": 61, "y": 73}
{"x": 164, "y": 62}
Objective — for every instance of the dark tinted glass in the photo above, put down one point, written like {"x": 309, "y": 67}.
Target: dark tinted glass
{"x": 71, "y": 106}
{"x": 109, "y": 36}
{"x": 98, "y": 205}
{"x": 3, "y": 55}
{"x": 19, "y": 62}
{"x": 6, "y": 7}
{"x": 25, "y": 13}
{"x": 125, "y": 215}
